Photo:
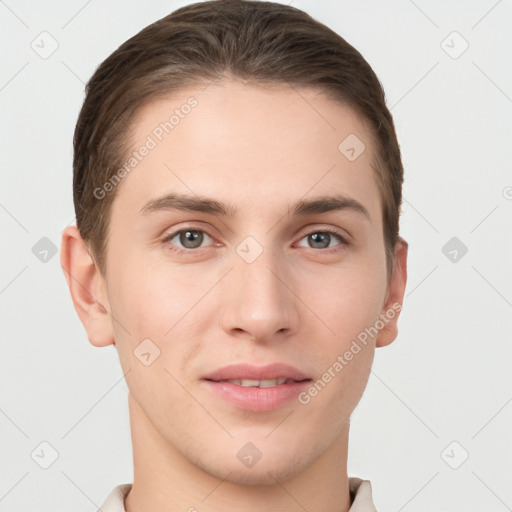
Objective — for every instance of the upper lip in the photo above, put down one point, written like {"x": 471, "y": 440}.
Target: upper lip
{"x": 248, "y": 371}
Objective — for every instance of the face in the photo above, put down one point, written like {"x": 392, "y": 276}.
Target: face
{"x": 267, "y": 250}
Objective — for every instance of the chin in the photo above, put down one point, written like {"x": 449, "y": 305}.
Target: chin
{"x": 263, "y": 473}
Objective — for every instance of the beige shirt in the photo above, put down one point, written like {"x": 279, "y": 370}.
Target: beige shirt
{"x": 360, "y": 492}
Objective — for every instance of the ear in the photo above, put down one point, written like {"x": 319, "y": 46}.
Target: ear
{"x": 87, "y": 288}
{"x": 395, "y": 295}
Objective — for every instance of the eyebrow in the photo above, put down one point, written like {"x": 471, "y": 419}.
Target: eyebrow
{"x": 316, "y": 205}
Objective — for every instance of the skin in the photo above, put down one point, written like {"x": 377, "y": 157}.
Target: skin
{"x": 260, "y": 149}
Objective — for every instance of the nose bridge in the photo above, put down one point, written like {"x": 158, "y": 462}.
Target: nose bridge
{"x": 261, "y": 304}
{"x": 260, "y": 278}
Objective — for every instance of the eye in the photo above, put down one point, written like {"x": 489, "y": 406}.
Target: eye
{"x": 189, "y": 239}
{"x": 323, "y": 239}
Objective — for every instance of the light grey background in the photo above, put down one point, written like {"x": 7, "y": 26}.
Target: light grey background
{"x": 448, "y": 375}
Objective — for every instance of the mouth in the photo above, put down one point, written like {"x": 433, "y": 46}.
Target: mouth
{"x": 257, "y": 389}
{"x": 265, "y": 383}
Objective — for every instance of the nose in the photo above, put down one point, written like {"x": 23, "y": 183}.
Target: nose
{"x": 259, "y": 303}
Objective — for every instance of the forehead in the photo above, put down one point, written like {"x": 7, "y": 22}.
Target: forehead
{"x": 249, "y": 145}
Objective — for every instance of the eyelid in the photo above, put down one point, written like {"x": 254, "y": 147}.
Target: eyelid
{"x": 192, "y": 226}
{"x": 343, "y": 234}
{"x": 168, "y": 236}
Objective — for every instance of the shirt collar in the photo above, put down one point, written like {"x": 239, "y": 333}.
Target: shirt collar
{"x": 361, "y": 495}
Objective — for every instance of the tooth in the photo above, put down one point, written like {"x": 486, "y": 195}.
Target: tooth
{"x": 267, "y": 383}
{"x": 250, "y": 383}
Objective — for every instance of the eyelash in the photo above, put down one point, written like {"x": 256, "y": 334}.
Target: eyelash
{"x": 343, "y": 241}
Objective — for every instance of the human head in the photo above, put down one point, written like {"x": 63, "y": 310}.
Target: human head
{"x": 261, "y": 144}
{"x": 258, "y": 42}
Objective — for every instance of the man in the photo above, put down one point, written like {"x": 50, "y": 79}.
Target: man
{"x": 237, "y": 187}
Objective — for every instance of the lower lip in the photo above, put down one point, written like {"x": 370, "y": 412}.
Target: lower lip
{"x": 257, "y": 399}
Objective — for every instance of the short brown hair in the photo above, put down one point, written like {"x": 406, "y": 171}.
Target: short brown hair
{"x": 261, "y": 42}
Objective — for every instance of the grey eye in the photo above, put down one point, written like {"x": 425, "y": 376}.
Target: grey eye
{"x": 188, "y": 238}
{"x": 322, "y": 239}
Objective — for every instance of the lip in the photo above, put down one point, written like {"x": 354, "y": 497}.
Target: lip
{"x": 254, "y": 398}
{"x": 249, "y": 371}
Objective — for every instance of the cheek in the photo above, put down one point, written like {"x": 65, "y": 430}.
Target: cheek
{"x": 154, "y": 312}
{"x": 152, "y": 298}
{"x": 345, "y": 300}
{"x": 347, "y": 304}
{"x": 160, "y": 304}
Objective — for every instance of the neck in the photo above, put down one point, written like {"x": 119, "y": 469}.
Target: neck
{"x": 166, "y": 481}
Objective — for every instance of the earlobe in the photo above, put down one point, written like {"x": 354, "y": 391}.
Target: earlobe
{"x": 86, "y": 287}
{"x": 395, "y": 295}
